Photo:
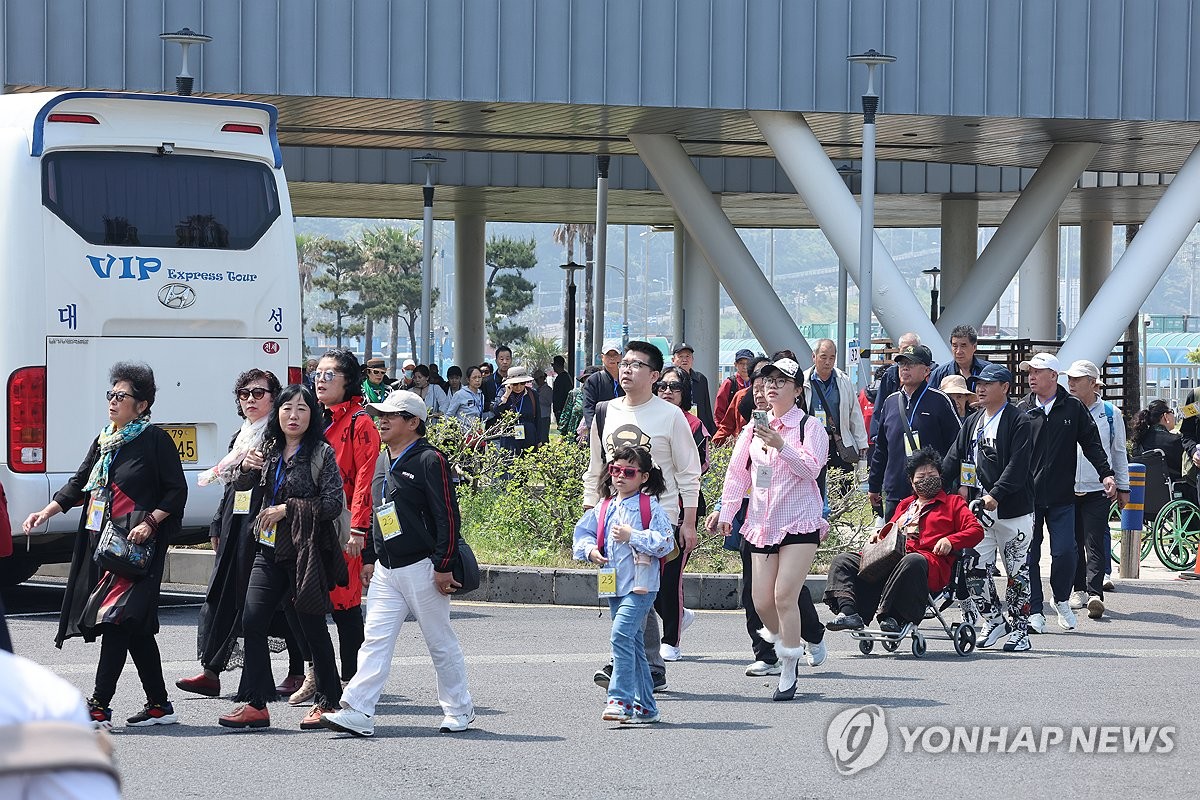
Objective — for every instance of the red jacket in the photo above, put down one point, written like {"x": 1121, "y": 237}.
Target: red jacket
{"x": 731, "y": 424}
{"x": 945, "y": 516}
{"x": 729, "y": 387}
{"x": 356, "y": 461}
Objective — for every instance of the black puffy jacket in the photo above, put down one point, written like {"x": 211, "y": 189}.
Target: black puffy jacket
{"x": 420, "y": 484}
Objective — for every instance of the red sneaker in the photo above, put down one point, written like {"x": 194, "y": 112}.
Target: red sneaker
{"x": 291, "y": 684}
{"x": 201, "y": 684}
{"x": 312, "y": 722}
{"x": 246, "y": 716}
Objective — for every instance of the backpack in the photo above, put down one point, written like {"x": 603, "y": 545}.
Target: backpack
{"x": 1112, "y": 428}
{"x": 602, "y": 514}
{"x": 341, "y": 523}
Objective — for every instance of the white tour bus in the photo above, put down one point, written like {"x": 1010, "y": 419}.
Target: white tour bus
{"x": 135, "y": 227}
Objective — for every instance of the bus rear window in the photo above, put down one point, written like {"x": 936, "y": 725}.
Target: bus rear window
{"x": 148, "y": 200}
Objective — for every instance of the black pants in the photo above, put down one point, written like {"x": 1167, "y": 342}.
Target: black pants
{"x": 669, "y": 601}
{"x": 351, "y": 635}
{"x": 5, "y": 640}
{"x": 903, "y": 596}
{"x": 270, "y": 586}
{"x": 115, "y": 643}
{"x": 1092, "y": 542}
{"x": 811, "y": 629}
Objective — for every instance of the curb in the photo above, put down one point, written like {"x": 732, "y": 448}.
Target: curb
{"x": 502, "y": 584}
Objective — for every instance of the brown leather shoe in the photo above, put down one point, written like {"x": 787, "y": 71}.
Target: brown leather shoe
{"x": 312, "y": 722}
{"x": 246, "y": 716}
{"x": 201, "y": 684}
{"x": 290, "y": 684}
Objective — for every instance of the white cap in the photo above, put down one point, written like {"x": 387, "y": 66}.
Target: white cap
{"x": 1083, "y": 369}
{"x": 1041, "y": 361}
{"x": 402, "y": 402}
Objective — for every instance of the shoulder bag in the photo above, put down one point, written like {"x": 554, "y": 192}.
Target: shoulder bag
{"x": 341, "y": 523}
{"x": 845, "y": 452}
{"x": 116, "y": 554}
{"x": 880, "y": 557}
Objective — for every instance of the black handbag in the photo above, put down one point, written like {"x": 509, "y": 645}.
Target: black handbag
{"x": 464, "y": 568}
{"x": 847, "y": 453}
{"x": 116, "y": 554}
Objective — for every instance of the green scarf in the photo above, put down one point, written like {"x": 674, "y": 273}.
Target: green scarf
{"x": 373, "y": 393}
{"x": 110, "y": 442}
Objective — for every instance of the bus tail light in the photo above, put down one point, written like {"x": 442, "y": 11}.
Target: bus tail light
{"x": 295, "y": 375}
{"x": 241, "y": 127}
{"x": 86, "y": 119}
{"x": 27, "y": 420}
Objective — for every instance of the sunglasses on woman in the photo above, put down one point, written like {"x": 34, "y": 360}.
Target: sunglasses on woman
{"x": 118, "y": 396}
{"x": 670, "y": 387}
{"x": 258, "y": 393}
{"x": 377, "y": 371}
{"x": 618, "y": 471}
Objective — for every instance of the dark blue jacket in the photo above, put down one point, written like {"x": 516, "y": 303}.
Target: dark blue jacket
{"x": 950, "y": 368}
{"x": 936, "y": 424}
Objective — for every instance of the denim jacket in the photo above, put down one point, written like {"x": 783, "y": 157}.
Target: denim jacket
{"x": 656, "y": 541}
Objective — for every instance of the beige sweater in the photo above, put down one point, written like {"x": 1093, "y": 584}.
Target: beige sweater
{"x": 662, "y": 427}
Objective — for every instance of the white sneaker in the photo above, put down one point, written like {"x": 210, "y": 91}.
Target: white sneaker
{"x": 993, "y": 632}
{"x": 456, "y": 723}
{"x": 348, "y": 720}
{"x": 815, "y": 654}
{"x": 1095, "y": 607}
{"x": 1066, "y": 617}
{"x": 761, "y": 668}
{"x": 1037, "y": 623}
{"x": 669, "y": 653}
{"x": 1109, "y": 586}
{"x": 1078, "y": 600}
{"x": 1018, "y": 642}
{"x": 689, "y": 617}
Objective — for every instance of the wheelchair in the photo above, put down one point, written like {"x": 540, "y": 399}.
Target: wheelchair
{"x": 1171, "y": 519}
{"x": 961, "y": 634}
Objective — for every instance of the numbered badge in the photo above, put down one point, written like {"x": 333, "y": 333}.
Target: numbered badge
{"x": 606, "y": 582}
{"x": 519, "y": 433}
{"x": 96, "y": 508}
{"x": 967, "y": 476}
{"x": 266, "y": 535}
{"x": 822, "y": 417}
{"x": 389, "y": 521}
{"x": 241, "y": 502}
{"x": 762, "y": 476}
{"x": 912, "y": 443}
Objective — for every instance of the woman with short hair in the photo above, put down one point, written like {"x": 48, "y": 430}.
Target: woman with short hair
{"x": 376, "y": 385}
{"x": 132, "y": 482}
{"x": 467, "y": 403}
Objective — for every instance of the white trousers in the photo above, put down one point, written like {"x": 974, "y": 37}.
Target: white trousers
{"x": 394, "y": 594}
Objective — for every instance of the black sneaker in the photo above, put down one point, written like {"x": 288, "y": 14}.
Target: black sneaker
{"x": 153, "y": 714}
{"x": 889, "y": 625}
{"x": 846, "y": 622}
{"x": 660, "y": 681}
{"x": 603, "y": 676}
{"x": 101, "y": 715}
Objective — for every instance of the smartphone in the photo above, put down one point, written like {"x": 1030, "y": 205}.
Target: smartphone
{"x": 759, "y": 417}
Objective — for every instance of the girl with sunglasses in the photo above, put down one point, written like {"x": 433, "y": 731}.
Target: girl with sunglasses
{"x": 628, "y": 531}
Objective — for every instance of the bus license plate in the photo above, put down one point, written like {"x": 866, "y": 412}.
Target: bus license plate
{"x": 184, "y": 437}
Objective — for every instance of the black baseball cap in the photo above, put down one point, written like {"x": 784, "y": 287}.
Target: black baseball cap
{"x": 914, "y": 354}
{"x": 679, "y": 348}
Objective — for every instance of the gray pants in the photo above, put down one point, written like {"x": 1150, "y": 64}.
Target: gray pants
{"x": 651, "y": 636}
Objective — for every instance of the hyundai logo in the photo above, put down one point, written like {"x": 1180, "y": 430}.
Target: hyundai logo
{"x": 177, "y": 295}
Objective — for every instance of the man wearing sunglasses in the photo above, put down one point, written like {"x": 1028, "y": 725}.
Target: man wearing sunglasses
{"x": 641, "y": 419}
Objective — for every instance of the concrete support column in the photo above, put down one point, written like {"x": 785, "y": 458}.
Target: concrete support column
{"x": 843, "y": 291}
{"x": 1095, "y": 259}
{"x": 701, "y": 308}
{"x": 469, "y": 243}
{"x": 1037, "y": 315}
{"x": 679, "y": 282}
{"x": 716, "y": 237}
{"x": 960, "y": 243}
{"x": 600, "y": 268}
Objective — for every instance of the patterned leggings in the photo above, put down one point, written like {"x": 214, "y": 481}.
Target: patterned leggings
{"x": 1008, "y": 539}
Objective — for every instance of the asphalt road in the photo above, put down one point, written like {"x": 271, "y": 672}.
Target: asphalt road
{"x": 539, "y": 732}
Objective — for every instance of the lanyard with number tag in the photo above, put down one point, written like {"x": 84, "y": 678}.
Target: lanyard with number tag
{"x": 96, "y": 508}
{"x": 241, "y": 502}
{"x": 389, "y": 521}
{"x": 606, "y": 582}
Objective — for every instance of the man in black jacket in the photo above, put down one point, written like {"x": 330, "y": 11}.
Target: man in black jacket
{"x": 601, "y": 385}
{"x": 563, "y": 383}
{"x": 916, "y": 416}
{"x": 1058, "y": 422}
{"x": 681, "y": 356}
{"x": 408, "y": 562}
{"x": 990, "y": 462}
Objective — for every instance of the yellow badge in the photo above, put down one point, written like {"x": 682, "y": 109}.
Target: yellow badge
{"x": 389, "y": 521}
{"x": 266, "y": 535}
{"x": 606, "y": 582}
{"x": 967, "y": 476}
{"x": 1190, "y": 410}
{"x": 241, "y": 502}
{"x": 519, "y": 432}
{"x": 913, "y": 444}
{"x": 822, "y": 417}
{"x": 95, "y": 512}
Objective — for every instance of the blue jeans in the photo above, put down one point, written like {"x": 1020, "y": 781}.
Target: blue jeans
{"x": 631, "y": 682}
{"x": 1060, "y": 521}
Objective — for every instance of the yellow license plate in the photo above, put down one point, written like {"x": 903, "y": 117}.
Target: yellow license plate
{"x": 184, "y": 437}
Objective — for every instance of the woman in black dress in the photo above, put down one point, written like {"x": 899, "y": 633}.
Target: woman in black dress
{"x": 131, "y": 477}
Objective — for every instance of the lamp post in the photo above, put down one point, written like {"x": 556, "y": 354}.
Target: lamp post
{"x": 847, "y": 171}
{"x": 933, "y": 272}
{"x": 570, "y": 268}
{"x": 424, "y": 352}
{"x": 870, "y": 105}
{"x": 624, "y": 304}
{"x": 185, "y": 38}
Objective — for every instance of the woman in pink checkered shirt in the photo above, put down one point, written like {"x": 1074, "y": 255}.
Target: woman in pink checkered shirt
{"x": 778, "y": 463}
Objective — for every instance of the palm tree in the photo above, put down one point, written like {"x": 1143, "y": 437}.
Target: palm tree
{"x": 309, "y": 248}
{"x": 565, "y": 235}
{"x": 392, "y": 281}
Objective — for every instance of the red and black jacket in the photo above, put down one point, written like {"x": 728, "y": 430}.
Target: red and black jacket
{"x": 421, "y": 485}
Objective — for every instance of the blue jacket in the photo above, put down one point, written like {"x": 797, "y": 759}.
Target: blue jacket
{"x": 950, "y": 368}
{"x": 936, "y": 424}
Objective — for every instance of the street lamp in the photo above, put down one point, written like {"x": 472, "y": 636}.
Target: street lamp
{"x": 847, "y": 171}
{"x": 933, "y": 272}
{"x": 624, "y": 303}
{"x": 185, "y": 38}
{"x": 570, "y": 268}
{"x": 870, "y": 105}
{"x": 424, "y": 354}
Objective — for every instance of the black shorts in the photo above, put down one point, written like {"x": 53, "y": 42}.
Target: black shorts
{"x": 812, "y": 537}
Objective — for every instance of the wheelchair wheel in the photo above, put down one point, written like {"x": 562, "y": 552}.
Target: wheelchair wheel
{"x": 865, "y": 646}
{"x": 918, "y": 645}
{"x": 1176, "y": 533}
{"x": 891, "y": 645}
{"x": 1114, "y": 530}
{"x": 964, "y": 639}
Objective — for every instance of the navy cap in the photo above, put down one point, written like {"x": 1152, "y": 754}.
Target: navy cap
{"x": 994, "y": 373}
{"x": 743, "y": 353}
